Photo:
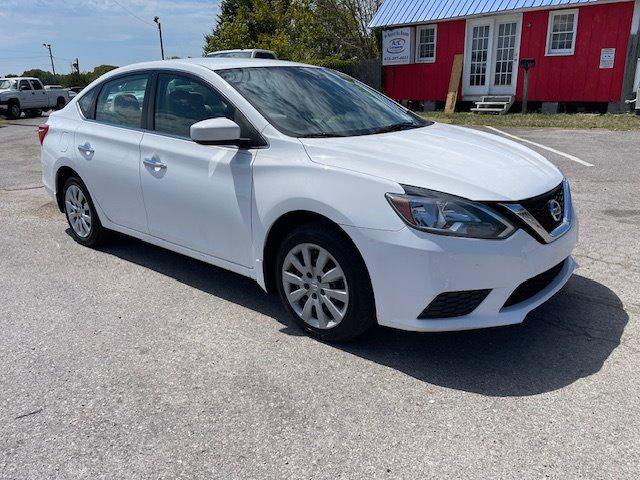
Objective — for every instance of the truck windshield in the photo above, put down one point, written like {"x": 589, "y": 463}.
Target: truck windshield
{"x": 6, "y": 83}
{"x": 317, "y": 102}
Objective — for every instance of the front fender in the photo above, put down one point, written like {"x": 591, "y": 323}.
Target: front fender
{"x": 285, "y": 180}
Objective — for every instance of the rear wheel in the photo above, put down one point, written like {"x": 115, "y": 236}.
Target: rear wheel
{"x": 86, "y": 228}
{"x": 323, "y": 283}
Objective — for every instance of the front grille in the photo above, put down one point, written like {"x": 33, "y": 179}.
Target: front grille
{"x": 539, "y": 208}
{"x": 534, "y": 285}
{"x": 454, "y": 304}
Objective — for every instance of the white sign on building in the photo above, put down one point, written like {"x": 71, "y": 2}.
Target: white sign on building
{"x": 396, "y": 46}
{"x": 607, "y": 57}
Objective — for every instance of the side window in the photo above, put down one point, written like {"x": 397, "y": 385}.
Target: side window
{"x": 120, "y": 101}
{"x": 182, "y": 101}
{"x": 86, "y": 103}
{"x": 561, "y": 32}
{"x": 24, "y": 85}
{"x": 36, "y": 85}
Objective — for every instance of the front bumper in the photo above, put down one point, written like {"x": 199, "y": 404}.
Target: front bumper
{"x": 408, "y": 269}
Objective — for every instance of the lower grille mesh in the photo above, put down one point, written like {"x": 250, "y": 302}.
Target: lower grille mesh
{"x": 454, "y": 304}
{"x": 534, "y": 285}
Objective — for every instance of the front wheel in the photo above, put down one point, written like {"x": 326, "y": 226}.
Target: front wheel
{"x": 86, "y": 228}
{"x": 14, "y": 110}
{"x": 324, "y": 284}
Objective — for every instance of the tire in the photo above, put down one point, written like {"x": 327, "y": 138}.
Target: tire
{"x": 60, "y": 104}
{"x": 95, "y": 233}
{"x": 14, "y": 110}
{"x": 358, "y": 311}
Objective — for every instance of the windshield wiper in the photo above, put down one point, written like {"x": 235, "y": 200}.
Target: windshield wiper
{"x": 323, "y": 135}
{"x": 395, "y": 127}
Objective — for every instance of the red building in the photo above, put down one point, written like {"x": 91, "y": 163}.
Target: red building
{"x": 585, "y": 51}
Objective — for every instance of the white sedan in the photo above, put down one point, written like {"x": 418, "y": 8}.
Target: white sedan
{"x": 350, "y": 206}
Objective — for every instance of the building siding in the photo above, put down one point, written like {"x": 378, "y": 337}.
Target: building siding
{"x": 428, "y": 81}
{"x": 577, "y": 77}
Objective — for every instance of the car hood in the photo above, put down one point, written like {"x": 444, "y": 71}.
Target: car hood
{"x": 459, "y": 161}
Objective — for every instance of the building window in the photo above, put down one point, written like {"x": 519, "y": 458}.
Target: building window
{"x": 561, "y": 33}
{"x": 426, "y": 44}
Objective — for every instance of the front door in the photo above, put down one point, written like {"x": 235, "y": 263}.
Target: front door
{"x": 491, "y": 56}
{"x": 196, "y": 196}
{"x": 26, "y": 94}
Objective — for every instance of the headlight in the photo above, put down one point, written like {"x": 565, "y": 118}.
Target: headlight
{"x": 448, "y": 215}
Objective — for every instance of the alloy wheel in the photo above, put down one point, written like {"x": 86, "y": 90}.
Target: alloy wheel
{"x": 78, "y": 211}
{"x": 315, "y": 285}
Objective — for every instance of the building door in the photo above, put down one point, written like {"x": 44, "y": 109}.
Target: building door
{"x": 491, "y": 56}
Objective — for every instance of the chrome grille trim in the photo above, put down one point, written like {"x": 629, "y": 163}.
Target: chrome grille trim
{"x": 530, "y": 220}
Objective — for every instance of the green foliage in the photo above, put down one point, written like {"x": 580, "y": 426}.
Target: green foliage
{"x": 67, "y": 80}
{"x": 312, "y": 31}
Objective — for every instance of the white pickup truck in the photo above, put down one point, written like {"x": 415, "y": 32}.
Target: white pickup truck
{"x": 28, "y": 95}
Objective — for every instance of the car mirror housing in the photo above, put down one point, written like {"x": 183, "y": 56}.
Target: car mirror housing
{"x": 216, "y": 131}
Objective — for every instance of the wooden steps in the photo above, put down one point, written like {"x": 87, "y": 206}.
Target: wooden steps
{"x": 496, "y": 104}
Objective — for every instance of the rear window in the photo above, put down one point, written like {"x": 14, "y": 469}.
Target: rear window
{"x": 86, "y": 103}
{"x": 120, "y": 101}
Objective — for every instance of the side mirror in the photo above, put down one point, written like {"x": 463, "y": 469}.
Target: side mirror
{"x": 216, "y": 131}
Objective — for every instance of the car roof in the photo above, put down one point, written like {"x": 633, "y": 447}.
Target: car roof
{"x": 212, "y": 63}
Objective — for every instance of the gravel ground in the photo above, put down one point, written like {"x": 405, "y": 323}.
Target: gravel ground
{"x": 135, "y": 362}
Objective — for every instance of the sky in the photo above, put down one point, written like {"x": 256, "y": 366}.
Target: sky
{"x": 97, "y": 32}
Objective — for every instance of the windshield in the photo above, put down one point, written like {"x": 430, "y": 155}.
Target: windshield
{"x": 7, "y": 83}
{"x": 317, "y": 102}
{"x": 230, "y": 55}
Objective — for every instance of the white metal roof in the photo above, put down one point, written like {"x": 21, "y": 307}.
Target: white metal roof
{"x": 407, "y": 12}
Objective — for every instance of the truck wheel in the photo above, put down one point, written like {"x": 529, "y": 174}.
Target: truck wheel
{"x": 14, "y": 110}
{"x": 60, "y": 104}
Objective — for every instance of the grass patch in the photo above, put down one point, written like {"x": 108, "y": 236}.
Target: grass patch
{"x": 620, "y": 122}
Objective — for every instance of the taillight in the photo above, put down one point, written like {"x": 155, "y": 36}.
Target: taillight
{"x": 42, "y": 132}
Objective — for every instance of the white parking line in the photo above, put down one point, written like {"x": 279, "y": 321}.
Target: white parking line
{"x": 553, "y": 150}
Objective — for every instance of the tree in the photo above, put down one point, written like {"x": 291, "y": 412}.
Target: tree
{"x": 73, "y": 79}
{"x": 316, "y": 31}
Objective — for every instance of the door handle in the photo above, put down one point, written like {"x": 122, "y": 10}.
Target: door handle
{"x": 154, "y": 163}
{"x": 86, "y": 149}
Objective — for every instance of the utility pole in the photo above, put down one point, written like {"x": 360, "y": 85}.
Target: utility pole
{"x": 157, "y": 20}
{"x": 76, "y": 66}
{"x": 53, "y": 68}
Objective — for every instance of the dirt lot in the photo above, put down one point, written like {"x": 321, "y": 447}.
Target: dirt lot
{"x": 134, "y": 362}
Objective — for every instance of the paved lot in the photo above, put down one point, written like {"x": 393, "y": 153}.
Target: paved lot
{"x": 134, "y": 362}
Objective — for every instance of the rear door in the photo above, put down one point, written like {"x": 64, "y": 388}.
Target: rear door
{"x": 197, "y": 196}
{"x": 40, "y": 98}
{"x": 108, "y": 149}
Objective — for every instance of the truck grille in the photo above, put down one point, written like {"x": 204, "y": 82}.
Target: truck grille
{"x": 454, "y": 304}
{"x": 534, "y": 285}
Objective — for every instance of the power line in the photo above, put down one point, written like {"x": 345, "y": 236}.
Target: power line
{"x": 133, "y": 14}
